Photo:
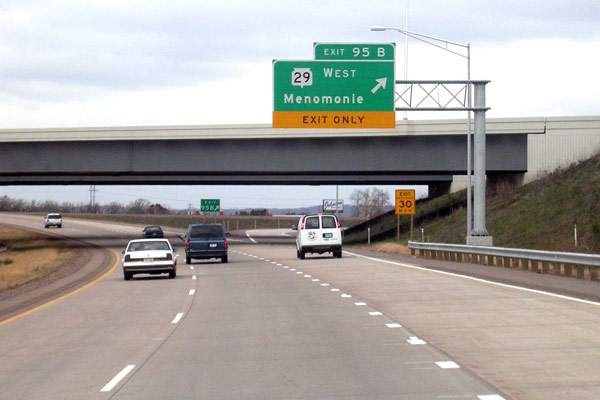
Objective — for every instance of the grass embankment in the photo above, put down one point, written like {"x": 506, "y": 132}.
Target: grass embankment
{"x": 391, "y": 247}
{"x": 541, "y": 215}
{"x": 31, "y": 256}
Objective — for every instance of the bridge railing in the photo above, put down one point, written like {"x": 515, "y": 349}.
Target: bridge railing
{"x": 577, "y": 265}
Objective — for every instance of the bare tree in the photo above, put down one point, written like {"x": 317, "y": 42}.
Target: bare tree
{"x": 378, "y": 200}
{"x": 357, "y": 199}
{"x": 139, "y": 206}
{"x": 369, "y": 202}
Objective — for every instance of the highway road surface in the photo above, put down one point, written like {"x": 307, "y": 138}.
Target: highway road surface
{"x": 267, "y": 325}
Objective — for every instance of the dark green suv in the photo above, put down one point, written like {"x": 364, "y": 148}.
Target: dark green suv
{"x": 205, "y": 241}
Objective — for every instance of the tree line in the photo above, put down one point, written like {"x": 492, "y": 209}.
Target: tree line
{"x": 139, "y": 206}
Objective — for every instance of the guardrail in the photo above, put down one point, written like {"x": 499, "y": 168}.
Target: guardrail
{"x": 577, "y": 265}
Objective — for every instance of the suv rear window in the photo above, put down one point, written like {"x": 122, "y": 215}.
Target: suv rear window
{"x": 329, "y": 222}
{"x": 312, "y": 223}
{"x": 53, "y": 216}
{"x": 204, "y": 232}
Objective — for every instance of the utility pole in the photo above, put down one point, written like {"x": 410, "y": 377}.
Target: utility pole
{"x": 92, "y": 191}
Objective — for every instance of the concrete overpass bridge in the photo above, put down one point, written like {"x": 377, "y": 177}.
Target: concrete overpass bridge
{"x": 419, "y": 152}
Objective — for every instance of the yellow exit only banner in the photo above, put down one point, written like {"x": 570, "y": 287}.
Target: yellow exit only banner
{"x": 334, "y": 119}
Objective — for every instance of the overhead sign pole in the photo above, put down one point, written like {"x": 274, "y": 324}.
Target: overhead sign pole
{"x": 422, "y": 96}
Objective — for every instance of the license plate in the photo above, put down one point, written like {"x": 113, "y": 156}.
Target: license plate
{"x": 212, "y": 245}
{"x": 148, "y": 260}
{"x": 328, "y": 235}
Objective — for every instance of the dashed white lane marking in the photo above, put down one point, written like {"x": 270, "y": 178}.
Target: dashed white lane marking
{"x": 299, "y": 273}
{"x": 192, "y": 292}
{"x": 191, "y": 267}
{"x": 279, "y": 265}
{"x": 308, "y": 276}
{"x": 360, "y": 303}
{"x": 335, "y": 290}
{"x": 393, "y": 325}
{"x": 490, "y": 397}
{"x": 374, "y": 313}
{"x": 273, "y": 262}
{"x": 415, "y": 340}
{"x": 261, "y": 259}
{"x": 447, "y": 364}
{"x": 194, "y": 277}
{"x": 177, "y": 318}
{"x": 316, "y": 280}
{"x": 114, "y": 381}
{"x": 292, "y": 269}
{"x": 286, "y": 267}
{"x": 249, "y": 237}
{"x": 324, "y": 284}
{"x": 346, "y": 296}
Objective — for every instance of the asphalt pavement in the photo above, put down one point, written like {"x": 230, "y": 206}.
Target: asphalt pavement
{"x": 268, "y": 325}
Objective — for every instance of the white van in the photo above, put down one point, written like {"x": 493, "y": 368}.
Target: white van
{"x": 318, "y": 233}
{"x": 53, "y": 220}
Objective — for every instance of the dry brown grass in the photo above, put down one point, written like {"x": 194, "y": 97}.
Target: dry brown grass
{"x": 387, "y": 247}
{"x": 30, "y": 256}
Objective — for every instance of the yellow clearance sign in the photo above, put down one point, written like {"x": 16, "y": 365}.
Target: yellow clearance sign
{"x": 334, "y": 119}
{"x": 405, "y": 202}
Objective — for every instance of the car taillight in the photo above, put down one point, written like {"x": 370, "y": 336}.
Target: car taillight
{"x": 302, "y": 226}
{"x": 338, "y": 224}
{"x": 187, "y": 244}
{"x": 225, "y": 243}
{"x": 127, "y": 258}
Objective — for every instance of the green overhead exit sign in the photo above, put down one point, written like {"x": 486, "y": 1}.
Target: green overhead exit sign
{"x": 355, "y": 51}
{"x": 333, "y": 85}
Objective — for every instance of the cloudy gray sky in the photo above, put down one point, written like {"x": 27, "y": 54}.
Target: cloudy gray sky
{"x": 123, "y": 63}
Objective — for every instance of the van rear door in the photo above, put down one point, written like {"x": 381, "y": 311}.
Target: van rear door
{"x": 311, "y": 234}
{"x": 330, "y": 233}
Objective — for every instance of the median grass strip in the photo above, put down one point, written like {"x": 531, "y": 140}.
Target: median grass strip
{"x": 31, "y": 256}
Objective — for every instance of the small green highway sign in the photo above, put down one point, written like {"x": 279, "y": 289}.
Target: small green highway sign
{"x": 355, "y": 51}
{"x": 210, "y": 205}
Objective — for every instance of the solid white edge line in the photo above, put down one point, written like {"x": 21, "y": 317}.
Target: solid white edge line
{"x": 177, "y": 318}
{"x": 560, "y": 296}
{"x": 114, "y": 381}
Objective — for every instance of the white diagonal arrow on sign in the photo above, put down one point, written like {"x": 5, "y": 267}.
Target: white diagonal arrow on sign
{"x": 381, "y": 82}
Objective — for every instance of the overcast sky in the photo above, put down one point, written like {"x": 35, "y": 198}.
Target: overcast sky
{"x": 124, "y": 63}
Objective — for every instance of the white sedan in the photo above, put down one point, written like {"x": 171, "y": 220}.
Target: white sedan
{"x": 149, "y": 256}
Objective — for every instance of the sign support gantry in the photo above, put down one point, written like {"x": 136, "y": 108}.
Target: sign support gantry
{"x": 453, "y": 96}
